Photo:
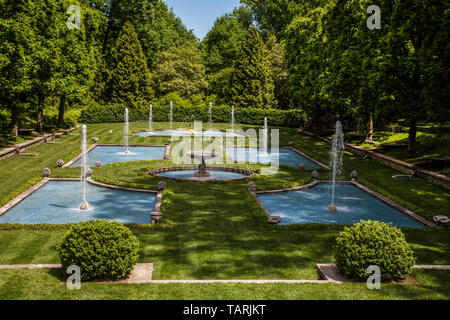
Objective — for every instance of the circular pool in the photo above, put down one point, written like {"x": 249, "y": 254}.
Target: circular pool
{"x": 191, "y": 173}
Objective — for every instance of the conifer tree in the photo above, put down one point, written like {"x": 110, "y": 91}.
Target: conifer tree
{"x": 252, "y": 83}
{"x": 129, "y": 79}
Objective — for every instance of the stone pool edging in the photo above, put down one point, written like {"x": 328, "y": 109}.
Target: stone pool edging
{"x": 248, "y": 173}
{"x": 19, "y": 148}
{"x": 307, "y": 157}
{"x": 95, "y": 145}
{"x": 11, "y": 204}
{"x": 373, "y": 193}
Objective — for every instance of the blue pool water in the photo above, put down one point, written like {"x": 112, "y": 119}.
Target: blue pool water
{"x": 57, "y": 202}
{"x": 190, "y": 175}
{"x": 211, "y": 133}
{"x": 354, "y": 205}
{"x": 113, "y": 154}
{"x": 286, "y": 157}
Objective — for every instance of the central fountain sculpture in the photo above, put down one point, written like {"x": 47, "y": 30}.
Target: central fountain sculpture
{"x": 202, "y": 156}
{"x": 84, "y": 206}
{"x": 336, "y": 161}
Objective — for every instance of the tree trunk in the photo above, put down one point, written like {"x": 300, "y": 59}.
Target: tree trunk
{"x": 369, "y": 134}
{"x": 15, "y": 121}
{"x": 412, "y": 143}
{"x": 40, "y": 114}
{"x": 62, "y": 105}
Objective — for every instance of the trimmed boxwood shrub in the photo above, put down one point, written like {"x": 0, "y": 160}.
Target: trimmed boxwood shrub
{"x": 221, "y": 114}
{"x": 104, "y": 250}
{"x": 372, "y": 243}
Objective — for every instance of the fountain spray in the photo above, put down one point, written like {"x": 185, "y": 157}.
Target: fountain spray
{"x": 265, "y": 138}
{"x": 336, "y": 161}
{"x": 210, "y": 115}
{"x": 232, "y": 118}
{"x": 150, "y": 120}
{"x": 126, "y": 131}
{"x": 84, "y": 206}
{"x": 171, "y": 115}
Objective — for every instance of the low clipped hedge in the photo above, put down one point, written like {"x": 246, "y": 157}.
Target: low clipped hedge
{"x": 373, "y": 243}
{"x": 104, "y": 250}
{"x": 221, "y": 114}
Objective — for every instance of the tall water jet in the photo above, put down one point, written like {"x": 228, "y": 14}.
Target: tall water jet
{"x": 150, "y": 120}
{"x": 210, "y": 115}
{"x": 232, "y": 118}
{"x": 84, "y": 206}
{"x": 336, "y": 161}
{"x": 126, "y": 130}
{"x": 171, "y": 115}
{"x": 265, "y": 138}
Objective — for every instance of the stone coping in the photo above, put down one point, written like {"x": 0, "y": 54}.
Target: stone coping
{"x": 248, "y": 173}
{"x": 19, "y": 148}
{"x": 40, "y": 184}
{"x": 95, "y": 145}
{"x": 308, "y": 157}
{"x": 373, "y": 193}
{"x": 142, "y": 272}
{"x": 402, "y": 166}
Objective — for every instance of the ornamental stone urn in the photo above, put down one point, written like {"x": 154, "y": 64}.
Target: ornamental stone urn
{"x": 95, "y": 140}
{"x": 162, "y": 185}
{"x": 156, "y": 217}
{"x": 354, "y": 175}
{"x": 98, "y": 164}
{"x": 315, "y": 175}
{"x": 291, "y": 143}
{"x": 251, "y": 187}
{"x": 88, "y": 172}
{"x": 60, "y": 163}
{"x": 46, "y": 173}
{"x": 301, "y": 166}
{"x": 441, "y": 220}
{"x": 274, "y": 220}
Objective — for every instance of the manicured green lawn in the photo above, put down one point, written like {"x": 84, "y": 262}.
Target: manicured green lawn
{"x": 45, "y": 284}
{"x": 213, "y": 234}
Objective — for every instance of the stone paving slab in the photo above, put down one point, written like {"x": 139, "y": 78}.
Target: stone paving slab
{"x": 432, "y": 267}
{"x": 331, "y": 273}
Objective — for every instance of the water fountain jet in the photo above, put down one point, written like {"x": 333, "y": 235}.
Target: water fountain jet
{"x": 265, "y": 138}
{"x": 84, "y": 206}
{"x": 210, "y": 115}
{"x": 126, "y": 131}
{"x": 171, "y": 115}
{"x": 150, "y": 120}
{"x": 336, "y": 161}
{"x": 232, "y": 118}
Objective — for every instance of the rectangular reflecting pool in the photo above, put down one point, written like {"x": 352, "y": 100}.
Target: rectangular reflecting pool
{"x": 354, "y": 205}
{"x": 286, "y": 157}
{"x": 114, "y": 154}
{"x": 57, "y": 202}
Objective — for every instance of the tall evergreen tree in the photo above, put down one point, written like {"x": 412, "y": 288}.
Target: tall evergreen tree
{"x": 252, "y": 83}
{"x": 129, "y": 79}
{"x": 180, "y": 69}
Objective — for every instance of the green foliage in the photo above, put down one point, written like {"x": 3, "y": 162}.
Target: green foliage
{"x": 252, "y": 83}
{"x": 180, "y": 69}
{"x": 371, "y": 243}
{"x": 129, "y": 79}
{"x": 103, "y": 250}
{"x": 220, "y": 114}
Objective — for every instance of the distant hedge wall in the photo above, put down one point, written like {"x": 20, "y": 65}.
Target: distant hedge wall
{"x": 220, "y": 114}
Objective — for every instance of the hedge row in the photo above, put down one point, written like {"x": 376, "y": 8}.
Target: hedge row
{"x": 220, "y": 114}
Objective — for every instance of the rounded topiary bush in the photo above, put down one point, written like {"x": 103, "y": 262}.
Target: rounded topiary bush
{"x": 104, "y": 250}
{"x": 372, "y": 243}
